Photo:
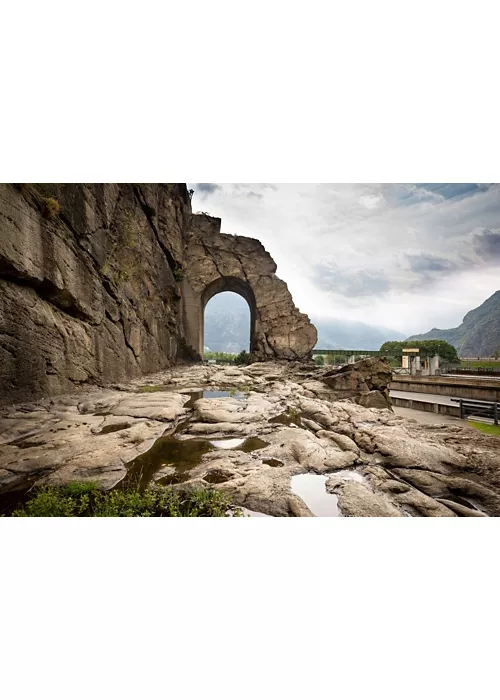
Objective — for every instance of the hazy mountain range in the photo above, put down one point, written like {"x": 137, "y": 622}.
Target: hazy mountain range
{"x": 227, "y": 329}
{"x": 479, "y": 333}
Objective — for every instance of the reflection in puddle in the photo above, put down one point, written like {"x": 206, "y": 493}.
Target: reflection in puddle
{"x": 272, "y": 462}
{"x": 311, "y": 489}
{"x": 183, "y": 455}
{"x": 114, "y": 427}
{"x": 290, "y": 419}
{"x": 167, "y": 452}
{"x": 195, "y": 395}
{"x": 228, "y": 444}
{"x": 216, "y": 477}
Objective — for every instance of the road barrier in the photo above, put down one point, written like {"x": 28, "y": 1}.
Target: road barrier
{"x": 479, "y": 409}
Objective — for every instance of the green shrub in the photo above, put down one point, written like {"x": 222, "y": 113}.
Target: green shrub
{"x": 177, "y": 273}
{"x": 50, "y": 207}
{"x": 243, "y": 358}
{"x": 319, "y": 360}
{"x": 79, "y": 499}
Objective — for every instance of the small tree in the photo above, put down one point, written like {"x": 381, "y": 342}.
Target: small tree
{"x": 496, "y": 354}
{"x": 319, "y": 360}
{"x": 243, "y": 358}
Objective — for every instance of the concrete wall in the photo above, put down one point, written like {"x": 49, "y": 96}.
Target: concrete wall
{"x": 427, "y": 406}
{"x": 480, "y": 389}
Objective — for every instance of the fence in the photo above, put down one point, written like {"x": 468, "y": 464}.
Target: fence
{"x": 479, "y": 409}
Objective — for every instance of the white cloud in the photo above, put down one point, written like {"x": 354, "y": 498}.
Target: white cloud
{"x": 407, "y": 257}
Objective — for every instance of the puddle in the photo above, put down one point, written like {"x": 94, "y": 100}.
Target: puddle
{"x": 272, "y": 462}
{"x": 289, "y": 419}
{"x": 114, "y": 427}
{"x": 17, "y": 497}
{"x": 195, "y": 395}
{"x": 168, "y": 452}
{"x": 252, "y": 444}
{"x": 183, "y": 455}
{"x": 216, "y": 477}
{"x": 311, "y": 489}
{"x": 228, "y": 443}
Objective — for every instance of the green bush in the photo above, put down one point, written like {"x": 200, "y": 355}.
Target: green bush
{"x": 87, "y": 500}
{"x": 243, "y": 358}
{"x": 222, "y": 356}
{"x": 319, "y": 360}
{"x": 428, "y": 348}
{"x": 51, "y": 207}
{"x": 177, "y": 273}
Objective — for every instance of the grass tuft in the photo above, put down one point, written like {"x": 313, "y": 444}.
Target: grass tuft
{"x": 51, "y": 207}
{"x": 87, "y": 500}
{"x": 485, "y": 428}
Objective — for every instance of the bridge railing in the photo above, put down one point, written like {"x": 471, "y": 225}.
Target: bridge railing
{"x": 479, "y": 409}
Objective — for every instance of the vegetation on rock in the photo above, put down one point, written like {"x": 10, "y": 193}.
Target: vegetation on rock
{"x": 177, "y": 273}
{"x": 83, "y": 500}
{"x": 51, "y": 207}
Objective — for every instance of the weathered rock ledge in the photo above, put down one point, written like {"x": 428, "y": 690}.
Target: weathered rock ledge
{"x": 375, "y": 463}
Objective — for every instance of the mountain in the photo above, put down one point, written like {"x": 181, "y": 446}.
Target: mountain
{"x": 227, "y": 329}
{"x": 479, "y": 333}
{"x": 336, "y": 333}
{"x": 227, "y": 323}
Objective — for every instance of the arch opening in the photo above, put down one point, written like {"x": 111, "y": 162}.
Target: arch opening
{"x": 228, "y": 316}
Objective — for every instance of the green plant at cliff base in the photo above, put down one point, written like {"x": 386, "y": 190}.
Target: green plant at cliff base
{"x": 177, "y": 273}
{"x": 87, "y": 500}
{"x": 50, "y": 207}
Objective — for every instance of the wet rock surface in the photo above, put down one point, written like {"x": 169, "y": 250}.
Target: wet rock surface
{"x": 277, "y": 421}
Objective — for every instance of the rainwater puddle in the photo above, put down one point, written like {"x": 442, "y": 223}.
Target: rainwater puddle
{"x": 289, "y": 419}
{"x": 114, "y": 427}
{"x": 216, "y": 477}
{"x": 311, "y": 489}
{"x": 272, "y": 462}
{"x": 195, "y": 395}
{"x": 183, "y": 455}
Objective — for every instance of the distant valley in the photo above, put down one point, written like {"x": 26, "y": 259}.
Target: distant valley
{"x": 227, "y": 329}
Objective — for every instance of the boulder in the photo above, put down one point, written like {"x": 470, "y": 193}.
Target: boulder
{"x": 366, "y": 382}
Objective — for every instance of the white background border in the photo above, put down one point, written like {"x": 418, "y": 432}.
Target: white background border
{"x": 258, "y": 92}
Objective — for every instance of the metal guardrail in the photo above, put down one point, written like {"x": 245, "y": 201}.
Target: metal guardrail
{"x": 481, "y": 409}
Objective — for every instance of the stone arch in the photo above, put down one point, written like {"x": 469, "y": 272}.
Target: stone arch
{"x": 229, "y": 284}
{"x": 214, "y": 262}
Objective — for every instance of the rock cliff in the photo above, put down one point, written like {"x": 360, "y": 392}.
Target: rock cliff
{"x": 87, "y": 289}
{"x": 98, "y": 283}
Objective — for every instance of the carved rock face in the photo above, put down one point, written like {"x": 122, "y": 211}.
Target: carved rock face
{"x": 216, "y": 262}
{"x": 366, "y": 381}
{"x": 113, "y": 285}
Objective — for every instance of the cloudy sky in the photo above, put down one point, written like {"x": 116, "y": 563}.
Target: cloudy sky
{"x": 408, "y": 257}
